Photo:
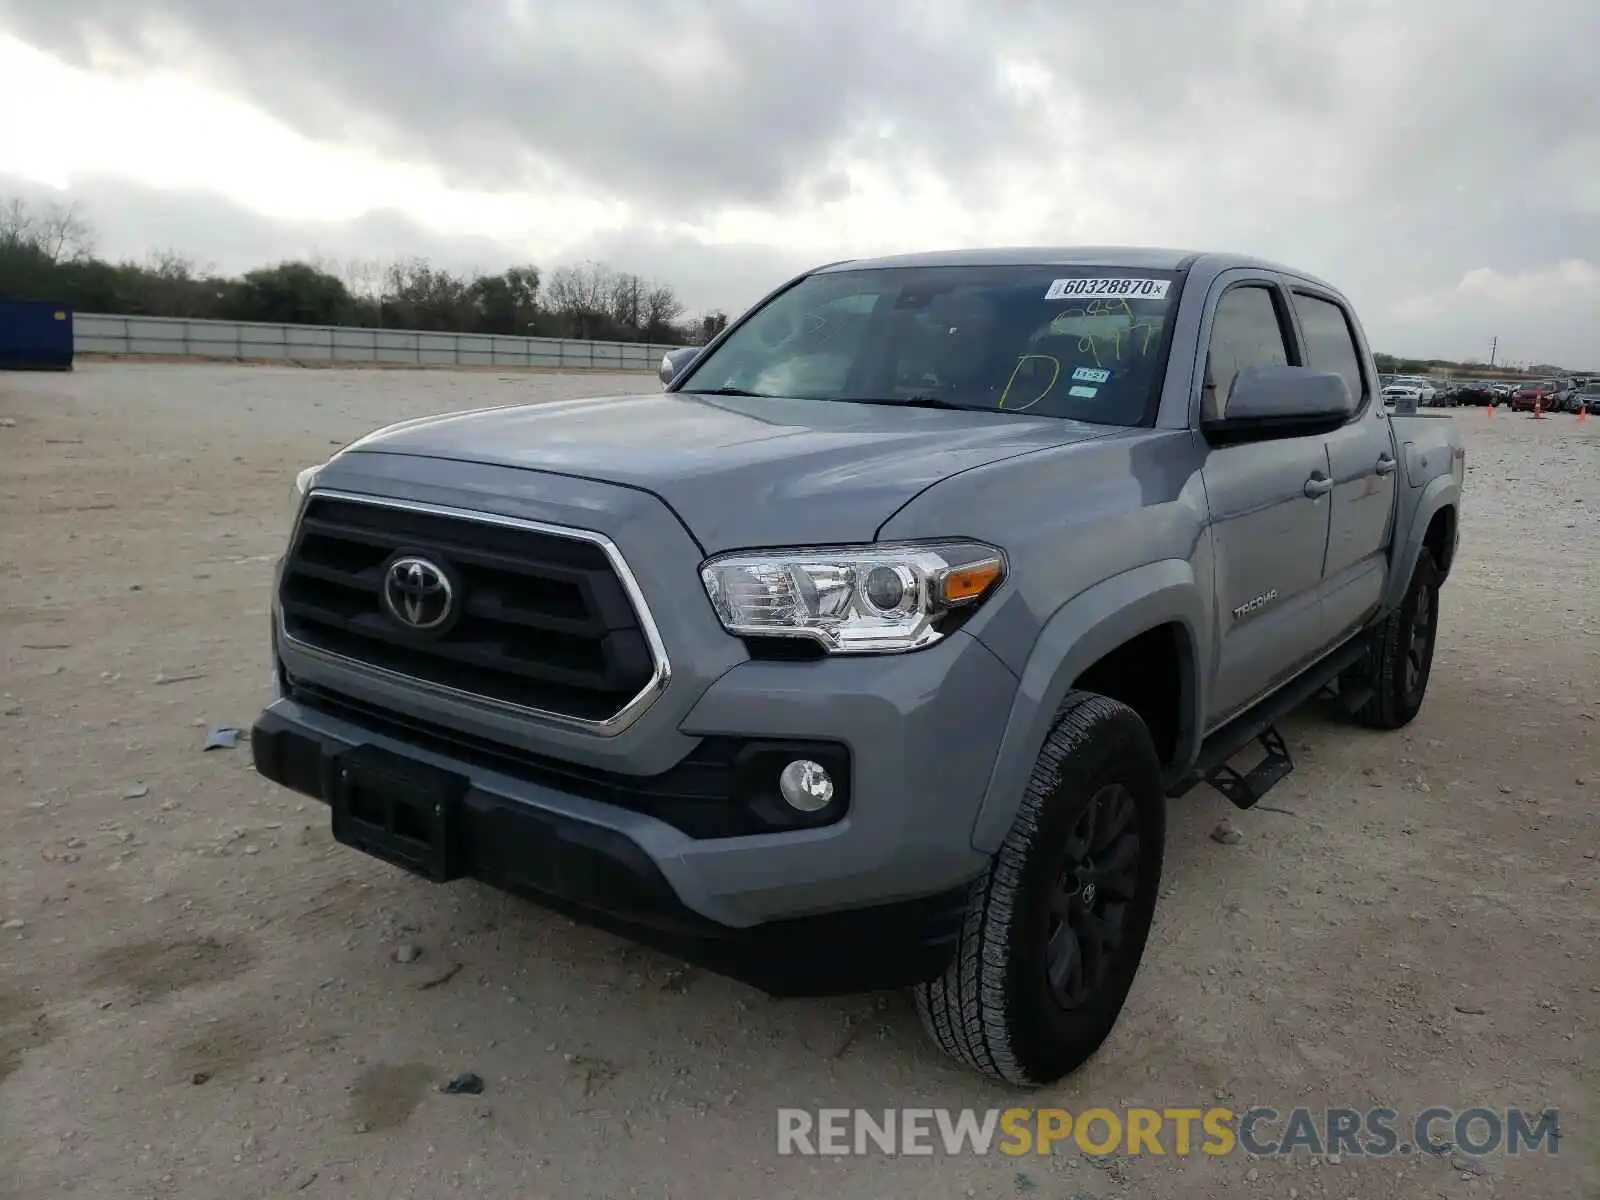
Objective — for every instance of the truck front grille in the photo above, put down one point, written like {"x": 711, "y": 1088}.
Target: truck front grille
{"x": 539, "y": 619}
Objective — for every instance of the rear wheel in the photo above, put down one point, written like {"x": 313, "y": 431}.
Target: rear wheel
{"x": 1400, "y": 657}
{"x": 1057, "y": 925}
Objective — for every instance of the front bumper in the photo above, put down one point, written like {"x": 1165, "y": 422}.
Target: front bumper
{"x": 871, "y": 901}
{"x": 601, "y": 875}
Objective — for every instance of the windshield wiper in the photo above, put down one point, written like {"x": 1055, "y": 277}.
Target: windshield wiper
{"x": 918, "y": 401}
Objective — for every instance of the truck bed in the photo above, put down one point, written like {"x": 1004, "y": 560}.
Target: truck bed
{"x": 1427, "y": 446}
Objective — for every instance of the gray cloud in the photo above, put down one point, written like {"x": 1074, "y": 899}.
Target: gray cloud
{"x": 1395, "y": 148}
{"x": 699, "y": 103}
{"x": 131, "y": 221}
{"x": 729, "y": 277}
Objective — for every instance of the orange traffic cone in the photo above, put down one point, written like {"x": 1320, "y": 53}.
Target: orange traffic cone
{"x": 1538, "y": 409}
{"x": 1488, "y": 410}
{"x": 1583, "y": 411}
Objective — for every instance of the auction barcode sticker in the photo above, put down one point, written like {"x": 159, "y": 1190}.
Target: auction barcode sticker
{"x": 1108, "y": 289}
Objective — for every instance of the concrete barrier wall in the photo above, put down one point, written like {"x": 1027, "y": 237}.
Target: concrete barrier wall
{"x": 168, "y": 337}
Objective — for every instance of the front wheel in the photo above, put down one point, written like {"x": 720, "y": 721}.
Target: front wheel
{"x": 1056, "y": 927}
{"x": 1400, "y": 657}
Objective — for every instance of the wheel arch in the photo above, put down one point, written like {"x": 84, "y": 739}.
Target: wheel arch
{"x": 1436, "y": 517}
{"x": 1439, "y": 538}
{"x": 1160, "y": 600}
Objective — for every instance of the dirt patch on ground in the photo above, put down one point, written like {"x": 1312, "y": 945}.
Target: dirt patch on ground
{"x": 156, "y": 968}
{"x": 23, "y": 1027}
{"x": 1416, "y": 923}
{"x": 384, "y": 1095}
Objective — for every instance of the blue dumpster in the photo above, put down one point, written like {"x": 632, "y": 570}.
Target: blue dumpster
{"x": 35, "y": 335}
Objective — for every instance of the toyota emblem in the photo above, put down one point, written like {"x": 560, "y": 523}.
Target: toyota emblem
{"x": 417, "y": 593}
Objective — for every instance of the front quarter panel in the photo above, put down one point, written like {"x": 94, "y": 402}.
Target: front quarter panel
{"x": 1104, "y": 540}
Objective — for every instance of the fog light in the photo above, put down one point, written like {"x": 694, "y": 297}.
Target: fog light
{"x": 806, "y": 785}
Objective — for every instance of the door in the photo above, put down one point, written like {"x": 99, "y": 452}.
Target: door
{"x": 1269, "y": 503}
{"x": 1361, "y": 460}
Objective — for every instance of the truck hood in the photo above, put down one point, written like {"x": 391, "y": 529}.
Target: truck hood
{"x": 740, "y": 472}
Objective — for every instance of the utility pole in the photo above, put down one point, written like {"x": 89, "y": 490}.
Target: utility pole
{"x": 1494, "y": 346}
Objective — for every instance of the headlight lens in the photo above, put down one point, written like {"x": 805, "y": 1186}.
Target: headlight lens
{"x": 868, "y": 600}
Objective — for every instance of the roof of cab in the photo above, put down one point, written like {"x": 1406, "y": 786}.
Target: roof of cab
{"x": 1148, "y": 257}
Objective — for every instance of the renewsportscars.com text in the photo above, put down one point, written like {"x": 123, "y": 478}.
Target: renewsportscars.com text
{"x": 1262, "y": 1131}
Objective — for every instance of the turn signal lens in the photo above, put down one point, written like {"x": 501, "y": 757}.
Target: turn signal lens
{"x": 962, "y": 585}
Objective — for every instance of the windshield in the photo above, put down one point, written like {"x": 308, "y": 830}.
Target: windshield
{"x": 1077, "y": 342}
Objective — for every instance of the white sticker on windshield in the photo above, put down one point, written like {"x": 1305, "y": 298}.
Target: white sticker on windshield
{"x": 1091, "y": 375}
{"x": 1079, "y": 390}
{"x": 1108, "y": 289}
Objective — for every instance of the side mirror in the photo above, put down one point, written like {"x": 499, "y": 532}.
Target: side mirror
{"x": 1267, "y": 402}
{"x": 675, "y": 362}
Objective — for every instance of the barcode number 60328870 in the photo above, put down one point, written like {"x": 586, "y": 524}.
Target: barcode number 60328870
{"x": 1108, "y": 289}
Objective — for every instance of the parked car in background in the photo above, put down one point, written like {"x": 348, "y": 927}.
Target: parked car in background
{"x": 1476, "y": 392}
{"x": 1529, "y": 395}
{"x": 1585, "y": 399}
{"x": 1400, "y": 390}
{"x": 1411, "y": 387}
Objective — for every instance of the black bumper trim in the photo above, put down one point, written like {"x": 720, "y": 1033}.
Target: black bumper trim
{"x": 720, "y": 789}
{"x": 602, "y": 877}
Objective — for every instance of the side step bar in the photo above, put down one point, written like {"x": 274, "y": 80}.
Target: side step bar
{"x": 1244, "y": 790}
{"x": 1259, "y": 724}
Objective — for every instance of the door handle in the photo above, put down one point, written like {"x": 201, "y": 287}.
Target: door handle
{"x": 1386, "y": 464}
{"x": 1318, "y": 485}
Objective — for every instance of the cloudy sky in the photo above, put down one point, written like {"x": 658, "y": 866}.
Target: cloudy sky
{"x": 1439, "y": 159}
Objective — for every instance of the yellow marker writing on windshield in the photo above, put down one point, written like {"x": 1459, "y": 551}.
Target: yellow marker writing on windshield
{"x": 1054, "y": 362}
{"x": 1111, "y": 339}
{"x": 1108, "y": 308}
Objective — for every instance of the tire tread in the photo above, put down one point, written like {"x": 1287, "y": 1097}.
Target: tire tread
{"x": 967, "y": 1010}
{"x": 1386, "y": 708}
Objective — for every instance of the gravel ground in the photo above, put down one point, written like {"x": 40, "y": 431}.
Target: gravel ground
{"x": 200, "y": 993}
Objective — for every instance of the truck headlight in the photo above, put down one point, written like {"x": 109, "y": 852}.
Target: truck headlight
{"x": 852, "y": 600}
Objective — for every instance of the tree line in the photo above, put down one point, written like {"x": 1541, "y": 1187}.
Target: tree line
{"x": 1388, "y": 364}
{"x": 48, "y": 253}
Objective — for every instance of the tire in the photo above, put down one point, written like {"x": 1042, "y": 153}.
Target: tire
{"x": 1400, "y": 656}
{"x": 995, "y": 1009}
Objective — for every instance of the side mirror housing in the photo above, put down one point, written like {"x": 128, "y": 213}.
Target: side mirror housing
{"x": 675, "y": 362}
{"x": 1270, "y": 402}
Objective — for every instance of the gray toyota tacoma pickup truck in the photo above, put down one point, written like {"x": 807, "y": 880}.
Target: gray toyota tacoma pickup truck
{"x": 867, "y": 652}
